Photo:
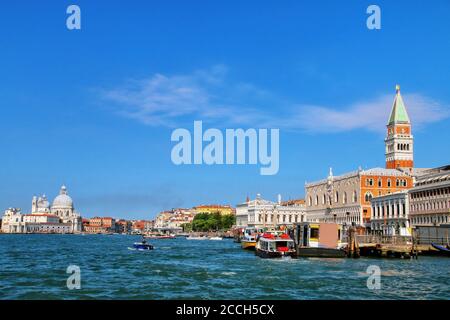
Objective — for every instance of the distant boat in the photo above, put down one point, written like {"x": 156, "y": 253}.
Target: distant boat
{"x": 441, "y": 249}
{"x": 215, "y": 238}
{"x": 160, "y": 236}
{"x": 196, "y": 238}
{"x": 142, "y": 246}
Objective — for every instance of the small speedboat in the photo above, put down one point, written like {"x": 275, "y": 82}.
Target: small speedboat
{"x": 441, "y": 249}
{"x": 142, "y": 246}
{"x": 215, "y": 238}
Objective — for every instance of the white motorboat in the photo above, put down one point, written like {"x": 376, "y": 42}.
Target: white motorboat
{"x": 196, "y": 238}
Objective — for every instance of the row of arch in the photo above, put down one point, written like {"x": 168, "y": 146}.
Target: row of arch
{"x": 431, "y": 193}
{"x": 326, "y": 199}
{"x": 435, "y": 205}
{"x": 403, "y": 146}
{"x": 430, "y": 220}
{"x": 283, "y": 218}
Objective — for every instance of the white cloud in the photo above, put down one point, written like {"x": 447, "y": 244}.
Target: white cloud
{"x": 209, "y": 95}
{"x": 370, "y": 115}
{"x": 165, "y": 100}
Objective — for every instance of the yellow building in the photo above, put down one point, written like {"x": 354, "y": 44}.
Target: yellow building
{"x": 213, "y": 208}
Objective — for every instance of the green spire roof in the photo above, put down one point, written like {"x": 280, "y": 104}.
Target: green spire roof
{"x": 398, "y": 113}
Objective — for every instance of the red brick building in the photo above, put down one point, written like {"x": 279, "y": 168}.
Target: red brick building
{"x": 100, "y": 225}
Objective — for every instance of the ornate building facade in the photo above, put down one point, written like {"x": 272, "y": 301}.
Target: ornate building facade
{"x": 60, "y": 217}
{"x": 429, "y": 200}
{"x": 346, "y": 199}
{"x": 63, "y": 207}
{"x": 390, "y": 214}
{"x": 265, "y": 213}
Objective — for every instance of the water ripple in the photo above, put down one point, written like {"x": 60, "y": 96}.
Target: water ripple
{"x": 181, "y": 269}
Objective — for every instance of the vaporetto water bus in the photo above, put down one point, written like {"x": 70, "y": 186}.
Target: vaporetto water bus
{"x": 275, "y": 245}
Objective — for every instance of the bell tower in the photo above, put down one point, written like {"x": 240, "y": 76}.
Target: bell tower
{"x": 399, "y": 140}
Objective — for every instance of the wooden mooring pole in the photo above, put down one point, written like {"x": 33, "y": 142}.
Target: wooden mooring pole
{"x": 353, "y": 248}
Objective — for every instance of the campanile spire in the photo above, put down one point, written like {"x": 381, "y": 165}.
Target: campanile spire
{"x": 399, "y": 140}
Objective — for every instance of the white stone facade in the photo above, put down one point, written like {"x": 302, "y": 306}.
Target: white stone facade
{"x": 63, "y": 207}
{"x": 390, "y": 214}
{"x": 12, "y": 221}
{"x": 429, "y": 200}
{"x": 335, "y": 199}
{"x": 265, "y": 213}
{"x": 60, "y": 217}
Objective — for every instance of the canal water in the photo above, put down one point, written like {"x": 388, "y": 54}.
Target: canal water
{"x": 34, "y": 267}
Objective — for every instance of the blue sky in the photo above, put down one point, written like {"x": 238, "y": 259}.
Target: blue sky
{"x": 94, "y": 108}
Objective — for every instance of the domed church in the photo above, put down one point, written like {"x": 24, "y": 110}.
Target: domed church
{"x": 62, "y": 207}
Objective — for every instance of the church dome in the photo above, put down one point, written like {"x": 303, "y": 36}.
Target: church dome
{"x": 63, "y": 200}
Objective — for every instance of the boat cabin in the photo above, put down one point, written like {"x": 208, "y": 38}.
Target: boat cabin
{"x": 271, "y": 245}
{"x": 319, "y": 235}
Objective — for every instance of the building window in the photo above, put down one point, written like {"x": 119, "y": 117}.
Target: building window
{"x": 368, "y": 196}
{"x": 389, "y": 182}
{"x": 379, "y": 183}
{"x": 355, "y": 196}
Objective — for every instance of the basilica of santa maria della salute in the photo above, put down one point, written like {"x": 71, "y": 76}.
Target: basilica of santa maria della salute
{"x": 59, "y": 217}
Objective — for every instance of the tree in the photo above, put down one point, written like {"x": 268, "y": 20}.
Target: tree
{"x": 205, "y": 222}
{"x": 187, "y": 227}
